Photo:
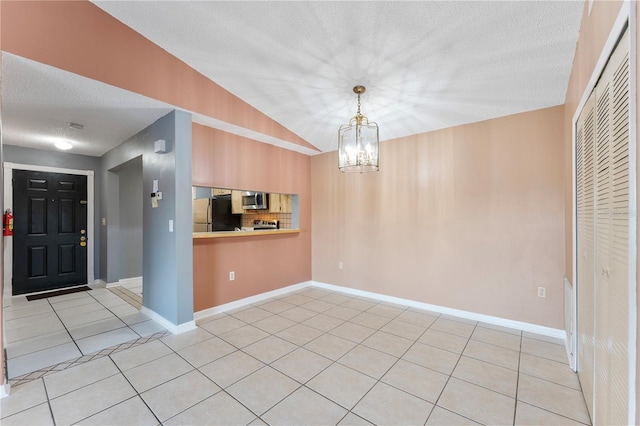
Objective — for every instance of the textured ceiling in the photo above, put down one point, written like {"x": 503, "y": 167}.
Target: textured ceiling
{"x": 38, "y": 102}
{"x": 427, "y": 65}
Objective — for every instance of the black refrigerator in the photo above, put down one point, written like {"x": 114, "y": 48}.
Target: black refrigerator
{"x": 214, "y": 214}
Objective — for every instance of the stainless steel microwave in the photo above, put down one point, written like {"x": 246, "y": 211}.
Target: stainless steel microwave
{"x": 254, "y": 201}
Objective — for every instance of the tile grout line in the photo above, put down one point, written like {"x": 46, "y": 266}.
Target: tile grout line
{"x": 301, "y": 385}
{"x": 557, "y": 414}
{"x": 390, "y": 319}
{"x": 112, "y": 313}
{"x": 435, "y": 404}
{"x": 585, "y": 400}
{"x": 23, "y": 379}
{"x": 521, "y": 373}
{"x": 65, "y": 326}
{"x": 66, "y": 329}
{"x": 134, "y": 388}
{"x": 415, "y": 341}
{"x": 358, "y": 343}
{"x": 333, "y": 362}
{"x": 515, "y": 408}
{"x": 46, "y": 392}
{"x": 117, "y": 316}
{"x": 85, "y": 386}
{"x": 222, "y": 389}
{"x": 349, "y": 410}
{"x": 552, "y": 382}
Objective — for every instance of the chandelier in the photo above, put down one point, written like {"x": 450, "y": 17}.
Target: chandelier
{"x": 358, "y": 142}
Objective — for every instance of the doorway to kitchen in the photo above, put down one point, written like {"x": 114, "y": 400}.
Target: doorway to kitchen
{"x": 124, "y": 234}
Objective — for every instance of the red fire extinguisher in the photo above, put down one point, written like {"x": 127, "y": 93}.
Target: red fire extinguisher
{"x": 7, "y": 223}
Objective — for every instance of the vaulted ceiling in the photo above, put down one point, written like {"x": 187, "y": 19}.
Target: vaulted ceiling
{"x": 426, "y": 65}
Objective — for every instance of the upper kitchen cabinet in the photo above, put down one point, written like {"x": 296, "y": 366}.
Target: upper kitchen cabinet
{"x": 220, "y": 191}
{"x": 275, "y": 203}
{"x": 280, "y": 203}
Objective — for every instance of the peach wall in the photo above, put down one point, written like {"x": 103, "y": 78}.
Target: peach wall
{"x": 78, "y": 36}
{"x": 469, "y": 217}
{"x": 81, "y": 38}
{"x": 231, "y": 161}
{"x": 261, "y": 263}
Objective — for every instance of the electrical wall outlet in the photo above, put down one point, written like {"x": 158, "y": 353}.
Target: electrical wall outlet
{"x": 542, "y": 292}
{"x": 232, "y": 276}
{"x": 340, "y": 265}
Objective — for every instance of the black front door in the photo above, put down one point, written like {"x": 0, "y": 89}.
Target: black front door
{"x": 49, "y": 231}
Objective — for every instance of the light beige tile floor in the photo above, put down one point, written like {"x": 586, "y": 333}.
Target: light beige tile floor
{"x": 315, "y": 357}
{"x": 45, "y": 332}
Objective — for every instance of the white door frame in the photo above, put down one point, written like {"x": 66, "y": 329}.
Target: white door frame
{"x": 8, "y": 204}
{"x": 626, "y": 16}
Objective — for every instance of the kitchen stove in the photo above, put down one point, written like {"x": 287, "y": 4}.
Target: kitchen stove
{"x": 260, "y": 224}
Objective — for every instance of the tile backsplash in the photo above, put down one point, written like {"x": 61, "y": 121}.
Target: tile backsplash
{"x": 283, "y": 218}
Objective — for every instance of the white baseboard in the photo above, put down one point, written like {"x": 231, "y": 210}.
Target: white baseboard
{"x": 125, "y": 282}
{"x": 517, "y": 325}
{"x": 175, "y": 329}
{"x": 185, "y": 326}
{"x": 249, "y": 300}
{"x": 5, "y": 390}
{"x": 130, "y": 281}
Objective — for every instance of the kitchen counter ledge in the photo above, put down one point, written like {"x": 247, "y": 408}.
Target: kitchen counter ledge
{"x": 232, "y": 234}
